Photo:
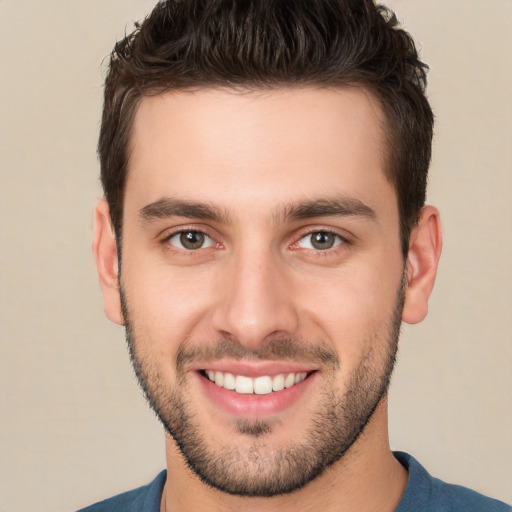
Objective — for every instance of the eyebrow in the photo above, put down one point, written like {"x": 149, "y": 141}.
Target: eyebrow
{"x": 169, "y": 207}
{"x": 341, "y": 206}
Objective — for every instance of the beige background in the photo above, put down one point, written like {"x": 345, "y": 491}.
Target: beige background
{"x": 74, "y": 427}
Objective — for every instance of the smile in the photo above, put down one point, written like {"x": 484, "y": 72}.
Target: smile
{"x": 262, "y": 385}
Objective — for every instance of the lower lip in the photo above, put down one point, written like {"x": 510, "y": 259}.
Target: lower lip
{"x": 246, "y": 405}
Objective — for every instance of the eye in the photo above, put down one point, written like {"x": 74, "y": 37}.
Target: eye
{"x": 320, "y": 240}
{"x": 190, "y": 240}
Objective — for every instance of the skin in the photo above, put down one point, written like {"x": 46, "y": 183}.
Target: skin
{"x": 252, "y": 157}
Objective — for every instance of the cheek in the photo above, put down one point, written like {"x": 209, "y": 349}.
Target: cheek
{"x": 167, "y": 306}
{"x": 354, "y": 310}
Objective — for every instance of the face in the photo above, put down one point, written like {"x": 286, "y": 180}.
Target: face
{"x": 261, "y": 278}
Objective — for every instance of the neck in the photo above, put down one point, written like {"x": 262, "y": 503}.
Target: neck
{"x": 368, "y": 477}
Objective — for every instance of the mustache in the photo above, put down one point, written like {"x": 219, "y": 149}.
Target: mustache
{"x": 284, "y": 349}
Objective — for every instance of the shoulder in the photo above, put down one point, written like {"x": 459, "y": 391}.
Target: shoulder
{"x": 426, "y": 493}
{"x": 455, "y": 497}
{"x": 142, "y": 499}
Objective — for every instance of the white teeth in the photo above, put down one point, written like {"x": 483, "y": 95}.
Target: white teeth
{"x": 260, "y": 385}
{"x": 299, "y": 377}
{"x": 263, "y": 385}
{"x": 278, "y": 382}
{"x": 289, "y": 381}
{"x": 244, "y": 385}
{"x": 229, "y": 381}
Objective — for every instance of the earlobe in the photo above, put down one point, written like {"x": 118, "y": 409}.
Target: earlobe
{"x": 421, "y": 266}
{"x": 105, "y": 254}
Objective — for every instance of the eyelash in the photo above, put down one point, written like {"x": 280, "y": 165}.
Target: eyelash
{"x": 341, "y": 241}
{"x": 166, "y": 241}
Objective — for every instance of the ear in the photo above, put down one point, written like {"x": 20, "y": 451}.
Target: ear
{"x": 104, "y": 250}
{"x": 421, "y": 267}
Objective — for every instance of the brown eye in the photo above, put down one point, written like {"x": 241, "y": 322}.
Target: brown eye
{"x": 320, "y": 240}
{"x": 191, "y": 240}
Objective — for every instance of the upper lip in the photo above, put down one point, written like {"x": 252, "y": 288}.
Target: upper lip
{"x": 255, "y": 368}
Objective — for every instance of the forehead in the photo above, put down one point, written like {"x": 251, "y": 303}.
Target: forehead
{"x": 278, "y": 146}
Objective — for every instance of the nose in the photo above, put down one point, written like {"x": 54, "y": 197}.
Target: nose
{"x": 255, "y": 301}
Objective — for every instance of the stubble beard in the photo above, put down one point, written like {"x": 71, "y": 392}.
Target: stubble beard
{"x": 257, "y": 471}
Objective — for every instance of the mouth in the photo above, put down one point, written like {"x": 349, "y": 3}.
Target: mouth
{"x": 261, "y": 385}
{"x": 256, "y": 392}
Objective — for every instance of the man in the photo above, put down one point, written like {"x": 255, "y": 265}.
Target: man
{"x": 262, "y": 237}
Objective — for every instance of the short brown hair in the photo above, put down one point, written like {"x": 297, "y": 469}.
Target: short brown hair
{"x": 186, "y": 44}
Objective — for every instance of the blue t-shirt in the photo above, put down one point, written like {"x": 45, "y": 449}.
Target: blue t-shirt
{"x": 427, "y": 494}
{"x": 422, "y": 494}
